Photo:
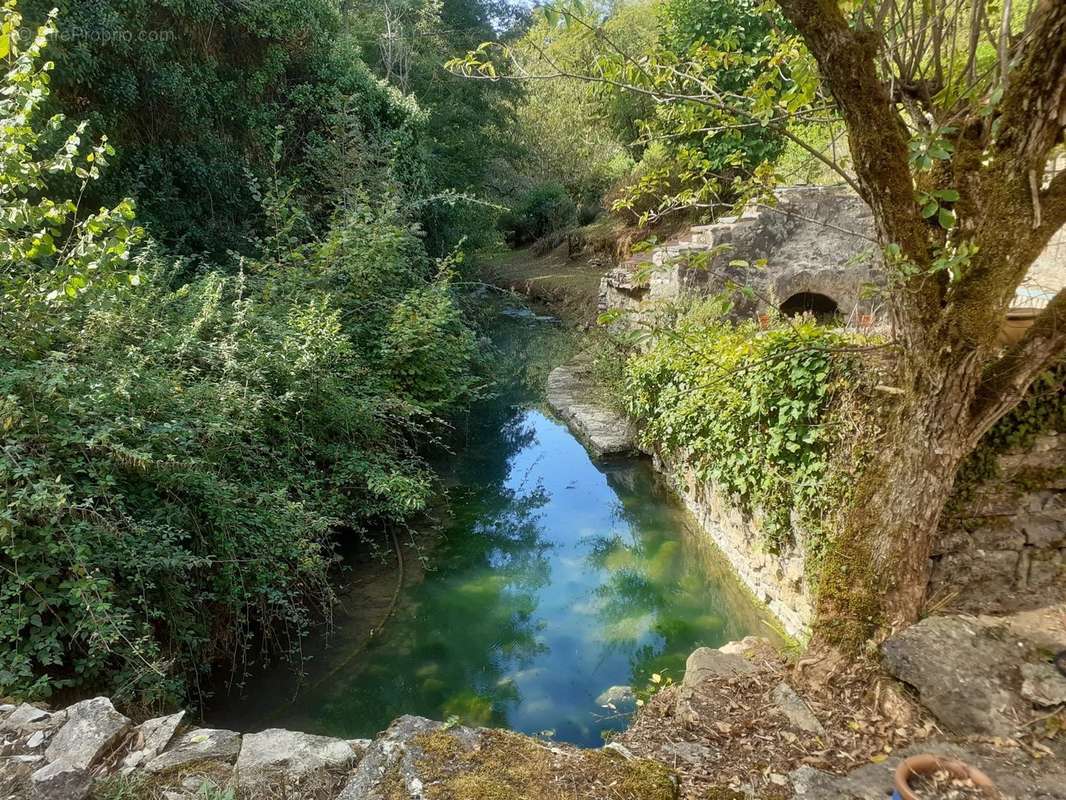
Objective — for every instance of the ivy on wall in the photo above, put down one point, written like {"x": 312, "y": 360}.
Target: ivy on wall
{"x": 747, "y": 409}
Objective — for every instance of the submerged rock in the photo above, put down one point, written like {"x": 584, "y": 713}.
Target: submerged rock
{"x": 617, "y": 697}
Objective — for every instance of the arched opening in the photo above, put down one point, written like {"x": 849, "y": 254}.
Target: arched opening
{"x": 824, "y": 309}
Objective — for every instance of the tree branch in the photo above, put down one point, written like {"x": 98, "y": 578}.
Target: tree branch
{"x": 1034, "y": 104}
{"x": 878, "y": 138}
{"x": 1007, "y": 380}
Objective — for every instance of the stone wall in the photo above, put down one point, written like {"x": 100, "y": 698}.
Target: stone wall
{"x": 71, "y": 754}
{"x": 816, "y": 240}
{"x": 777, "y": 579}
{"x": 1006, "y": 549}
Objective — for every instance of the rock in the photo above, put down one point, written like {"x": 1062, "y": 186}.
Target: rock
{"x": 277, "y": 754}
{"x": 689, "y": 752}
{"x": 604, "y": 431}
{"x": 198, "y": 783}
{"x": 1043, "y": 685}
{"x": 92, "y": 729}
{"x": 1045, "y": 531}
{"x": 707, "y": 663}
{"x": 394, "y": 755}
{"x": 152, "y": 737}
{"x": 201, "y": 744}
{"x": 416, "y": 759}
{"x": 60, "y": 780}
{"x": 872, "y": 782}
{"x": 617, "y": 697}
{"x": 26, "y": 718}
{"x": 746, "y": 646}
{"x": 621, "y": 749}
{"x": 36, "y": 740}
{"x": 360, "y": 746}
{"x": 792, "y": 706}
{"x": 962, "y": 673}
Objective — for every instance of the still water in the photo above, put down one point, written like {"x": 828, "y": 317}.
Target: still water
{"x": 553, "y": 579}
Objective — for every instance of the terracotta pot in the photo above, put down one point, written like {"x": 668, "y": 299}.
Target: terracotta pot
{"x": 927, "y": 764}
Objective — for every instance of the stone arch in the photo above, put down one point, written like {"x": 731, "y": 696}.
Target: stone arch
{"x": 820, "y": 305}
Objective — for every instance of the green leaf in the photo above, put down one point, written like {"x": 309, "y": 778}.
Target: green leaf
{"x": 946, "y": 218}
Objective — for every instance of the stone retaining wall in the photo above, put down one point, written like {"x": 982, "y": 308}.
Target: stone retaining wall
{"x": 74, "y": 753}
{"x": 1006, "y": 549}
{"x": 777, "y": 580}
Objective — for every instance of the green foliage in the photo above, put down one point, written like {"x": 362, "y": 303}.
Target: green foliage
{"x": 734, "y": 41}
{"x": 581, "y": 135}
{"x": 192, "y": 94}
{"x": 542, "y": 211}
{"x": 51, "y": 251}
{"x": 747, "y": 409}
{"x": 178, "y": 457}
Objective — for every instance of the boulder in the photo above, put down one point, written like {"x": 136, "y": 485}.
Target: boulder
{"x": 60, "y": 780}
{"x": 27, "y": 719}
{"x": 746, "y": 646}
{"x": 278, "y": 754}
{"x": 707, "y": 663}
{"x": 962, "y": 670}
{"x": 1043, "y": 685}
{"x": 92, "y": 729}
{"x": 792, "y": 706}
{"x": 417, "y": 758}
{"x": 151, "y": 738}
{"x": 394, "y": 756}
{"x": 196, "y": 746}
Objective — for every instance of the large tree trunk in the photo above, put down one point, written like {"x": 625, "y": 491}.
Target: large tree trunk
{"x": 876, "y": 570}
{"x": 953, "y": 382}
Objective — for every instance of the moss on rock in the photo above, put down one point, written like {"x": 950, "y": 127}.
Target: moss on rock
{"x": 507, "y": 766}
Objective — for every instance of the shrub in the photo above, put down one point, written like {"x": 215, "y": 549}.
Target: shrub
{"x": 178, "y": 459}
{"x": 543, "y": 210}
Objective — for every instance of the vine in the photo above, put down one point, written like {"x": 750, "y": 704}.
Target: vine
{"x": 749, "y": 410}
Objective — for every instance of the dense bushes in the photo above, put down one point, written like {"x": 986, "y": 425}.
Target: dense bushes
{"x": 747, "y": 409}
{"x": 192, "y": 95}
{"x": 541, "y": 211}
{"x": 178, "y": 457}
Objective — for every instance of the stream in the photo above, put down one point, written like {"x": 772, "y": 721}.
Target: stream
{"x": 551, "y": 580}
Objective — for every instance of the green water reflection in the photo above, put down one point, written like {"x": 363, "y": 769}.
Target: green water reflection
{"x": 554, "y": 580}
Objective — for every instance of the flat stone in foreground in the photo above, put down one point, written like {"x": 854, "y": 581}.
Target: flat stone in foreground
{"x": 93, "y": 728}
{"x": 278, "y": 754}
